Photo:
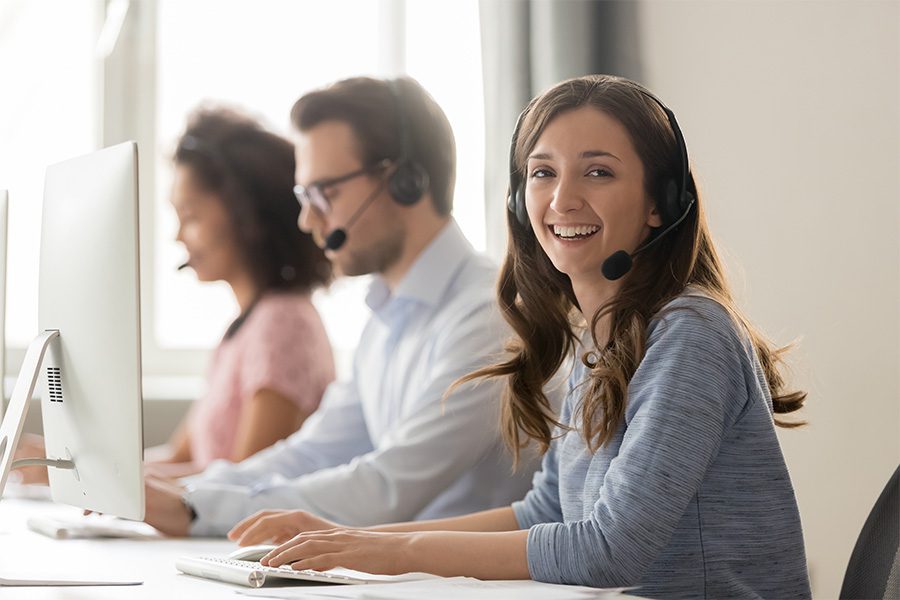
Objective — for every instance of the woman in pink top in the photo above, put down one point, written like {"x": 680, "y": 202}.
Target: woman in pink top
{"x": 233, "y": 194}
{"x": 237, "y": 213}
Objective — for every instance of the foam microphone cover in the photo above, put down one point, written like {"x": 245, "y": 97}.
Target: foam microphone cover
{"x": 335, "y": 239}
{"x": 616, "y": 265}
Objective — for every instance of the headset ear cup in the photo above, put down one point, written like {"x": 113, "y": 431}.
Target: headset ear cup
{"x": 408, "y": 183}
{"x": 670, "y": 205}
{"x": 688, "y": 201}
{"x": 521, "y": 211}
{"x": 511, "y": 201}
{"x": 515, "y": 201}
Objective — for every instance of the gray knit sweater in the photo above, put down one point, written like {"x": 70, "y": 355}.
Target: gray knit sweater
{"x": 691, "y": 497}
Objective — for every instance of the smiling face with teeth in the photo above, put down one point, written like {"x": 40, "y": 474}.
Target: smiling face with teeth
{"x": 585, "y": 193}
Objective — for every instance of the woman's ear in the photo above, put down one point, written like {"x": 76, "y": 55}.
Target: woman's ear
{"x": 654, "y": 219}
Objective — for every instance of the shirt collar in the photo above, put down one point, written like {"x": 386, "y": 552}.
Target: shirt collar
{"x": 431, "y": 273}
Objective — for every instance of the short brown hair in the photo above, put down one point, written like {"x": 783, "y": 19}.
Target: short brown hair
{"x": 368, "y": 105}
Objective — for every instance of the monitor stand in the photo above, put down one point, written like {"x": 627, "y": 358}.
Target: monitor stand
{"x": 10, "y": 431}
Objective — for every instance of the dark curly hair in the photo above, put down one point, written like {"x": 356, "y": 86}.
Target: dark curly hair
{"x": 252, "y": 171}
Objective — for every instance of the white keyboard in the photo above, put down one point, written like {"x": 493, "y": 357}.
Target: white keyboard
{"x": 253, "y": 574}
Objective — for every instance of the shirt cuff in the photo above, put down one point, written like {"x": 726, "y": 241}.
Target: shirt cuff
{"x": 218, "y": 507}
{"x": 221, "y": 506}
{"x": 542, "y": 553}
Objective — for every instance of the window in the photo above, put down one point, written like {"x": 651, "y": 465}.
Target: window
{"x": 263, "y": 74}
{"x": 270, "y": 68}
{"x": 255, "y": 56}
{"x": 446, "y": 60}
{"x": 48, "y": 113}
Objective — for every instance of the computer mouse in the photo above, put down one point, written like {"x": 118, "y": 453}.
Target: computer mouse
{"x": 251, "y": 553}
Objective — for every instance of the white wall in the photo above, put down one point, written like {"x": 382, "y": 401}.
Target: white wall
{"x": 791, "y": 113}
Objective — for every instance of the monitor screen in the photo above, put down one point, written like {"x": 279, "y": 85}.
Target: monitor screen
{"x": 87, "y": 353}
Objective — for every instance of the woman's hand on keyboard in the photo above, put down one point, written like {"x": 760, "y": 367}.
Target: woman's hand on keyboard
{"x": 367, "y": 551}
{"x": 276, "y": 526}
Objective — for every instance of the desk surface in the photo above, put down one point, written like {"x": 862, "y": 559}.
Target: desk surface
{"x": 25, "y": 554}
{"x": 28, "y": 555}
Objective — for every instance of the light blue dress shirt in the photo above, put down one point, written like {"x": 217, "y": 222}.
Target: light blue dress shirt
{"x": 386, "y": 446}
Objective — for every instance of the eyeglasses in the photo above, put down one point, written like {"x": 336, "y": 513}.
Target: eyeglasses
{"x": 313, "y": 195}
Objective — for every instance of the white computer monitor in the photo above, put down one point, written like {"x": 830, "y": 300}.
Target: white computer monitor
{"x": 88, "y": 350}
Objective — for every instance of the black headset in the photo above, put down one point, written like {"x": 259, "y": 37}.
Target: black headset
{"x": 673, "y": 199}
{"x": 409, "y": 181}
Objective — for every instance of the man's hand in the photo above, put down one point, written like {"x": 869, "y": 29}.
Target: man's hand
{"x": 30, "y": 446}
{"x": 164, "y": 507}
{"x": 276, "y": 526}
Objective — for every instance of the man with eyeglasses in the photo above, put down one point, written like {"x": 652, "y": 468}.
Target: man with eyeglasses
{"x": 375, "y": 171}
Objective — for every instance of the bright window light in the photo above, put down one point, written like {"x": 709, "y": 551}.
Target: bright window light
{"x": 47, "y": 114}
{"x": 446, "y": 60}
{"x": 205, "y": 52}
{"x": 265, "y": 73}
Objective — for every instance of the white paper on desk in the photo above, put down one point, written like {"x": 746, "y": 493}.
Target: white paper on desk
{"x": 325, "y": 591}
{"x": 329, "y": 590}
{"x": 375, "y": 578}
{"x": 449, "y": 588}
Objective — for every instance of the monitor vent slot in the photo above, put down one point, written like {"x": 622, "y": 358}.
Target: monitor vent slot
{"x": 54, "y": 384}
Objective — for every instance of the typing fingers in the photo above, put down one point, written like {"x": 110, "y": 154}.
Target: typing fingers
{"x": 368, "y": 551}
{"x": 303, "y": 551}
{"x": 242, "y": 527}
{"x": 264, "y": 530}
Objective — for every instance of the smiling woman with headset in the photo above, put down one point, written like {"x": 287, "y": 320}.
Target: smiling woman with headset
{"x": 662, "y": 469}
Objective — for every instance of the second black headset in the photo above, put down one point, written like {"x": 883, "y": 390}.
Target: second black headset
{"x": 409, "y": 181}
{"x": 406, "y": 184}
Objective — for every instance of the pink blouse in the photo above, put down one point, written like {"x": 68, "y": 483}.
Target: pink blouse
{"x": 282, "y": 347}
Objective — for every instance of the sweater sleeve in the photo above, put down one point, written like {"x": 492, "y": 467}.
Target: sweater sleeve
{"x": 687, "y": 391}
{"x": 541, "y": 504}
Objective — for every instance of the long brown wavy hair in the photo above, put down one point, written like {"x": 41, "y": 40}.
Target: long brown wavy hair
{"x": 539, "y": 303}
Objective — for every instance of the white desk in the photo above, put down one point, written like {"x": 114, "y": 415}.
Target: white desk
{"x": 25, "y": 554}
{"x": 28, "y": 555}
